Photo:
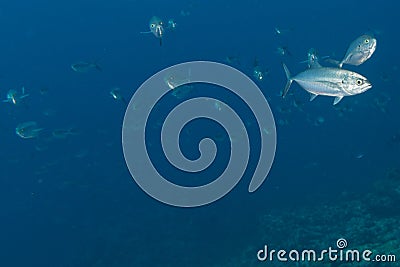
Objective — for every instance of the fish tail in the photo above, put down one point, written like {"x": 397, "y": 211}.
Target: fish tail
{"x": 289, "y": 80}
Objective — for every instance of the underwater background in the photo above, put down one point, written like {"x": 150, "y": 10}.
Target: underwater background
{"x": 67, "y": 197}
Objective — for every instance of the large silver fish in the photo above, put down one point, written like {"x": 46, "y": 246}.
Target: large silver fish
{"x": 328, "y": 81}
{"x": 359, "y": 51}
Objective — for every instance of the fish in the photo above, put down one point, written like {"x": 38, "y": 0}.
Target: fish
{"x": 14, "y": 97}
{"x": 64, "y": 133}
{"x": 116, "y": 94}
{"x": 359, "y": 155}
{"x": 182, "y": 91}
{"x": 328, "y": 81}
{"x": 174, "y": 80}
{"x": 28, "y": 130}
{"x": 313, "y": 58}
{"x": 85, "y": 66}
{"x": 156, "y": 26}
{"x": 395, "y": 138}
{"x": 283, "y": 51}
{"x": 259, "y": 73}
{"x": 184, "y": 13}
{"x": 280, "y": 31}
{"x": 232, "y": 60}
{"x": 359, "y": 51}
{"x": 172, "y": 24}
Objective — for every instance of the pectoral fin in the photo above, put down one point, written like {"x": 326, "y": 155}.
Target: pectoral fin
{"x": 312, "y": 96}
{"x": 337, "y": 100}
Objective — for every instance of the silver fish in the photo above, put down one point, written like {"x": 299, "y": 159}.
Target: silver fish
{"x": 28, "y": 130}
{"x": 15, "y": 97}
{"x": 258, "y": 72}
{"x": 313, "y": 61}
{"x": 283, "y": 51}
{"x": 85, "y": 66}
{"x": 156, "y": 26}
{"x": 359, "y": 51}
{"x": 328, "y": 81}
{"x": 280, "y": 31}
{"x": 116, "y": 94}
{"x": 172, "y": 24}
{"x": 64, "y": 133}
{"x": 313, "y": 58}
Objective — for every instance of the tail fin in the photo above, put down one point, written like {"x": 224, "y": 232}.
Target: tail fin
{"x": 289, "y": 80}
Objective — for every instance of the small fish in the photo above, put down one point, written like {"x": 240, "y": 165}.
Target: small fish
{"x": 156, "y": 26}
{"x": 217, "y": 105}
{"x": 283, "y": 51}
{"x": 28, "y": 130}
{"x": 232, "y": 60}
{"x": 64, "y": 133}
{"x": 280, "y": 31}
{"x": 15, "y": 97}
{"x": 184, "y": 13}
{"x": 43, "y": 90}
{"x": 172, "y": 24}
{"x": 319, "y": 121}
{"x": 259, "y": 73}
{"x": 395, "y": 138}
{"x": 313, "y": 59}
{"x": 116, "y": 94}
{"x": 359, "y": 51}
{"x": 182, "y": 91}
{"x": 85, "y": 66}
{"x": 359, "y": 155}
{"x": 328, "y": 81}
{"x": 174, "y": 80}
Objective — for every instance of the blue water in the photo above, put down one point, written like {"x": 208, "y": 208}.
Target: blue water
{"x": 74, "y": 202}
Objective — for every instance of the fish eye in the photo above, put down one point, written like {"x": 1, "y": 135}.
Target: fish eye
{"x": 359, "y": 82}
{"x": 366, "y": 41}
{"x": 152, "y": 25}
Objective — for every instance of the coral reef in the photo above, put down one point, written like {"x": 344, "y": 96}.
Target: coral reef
{"x": 367, "y": 221}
